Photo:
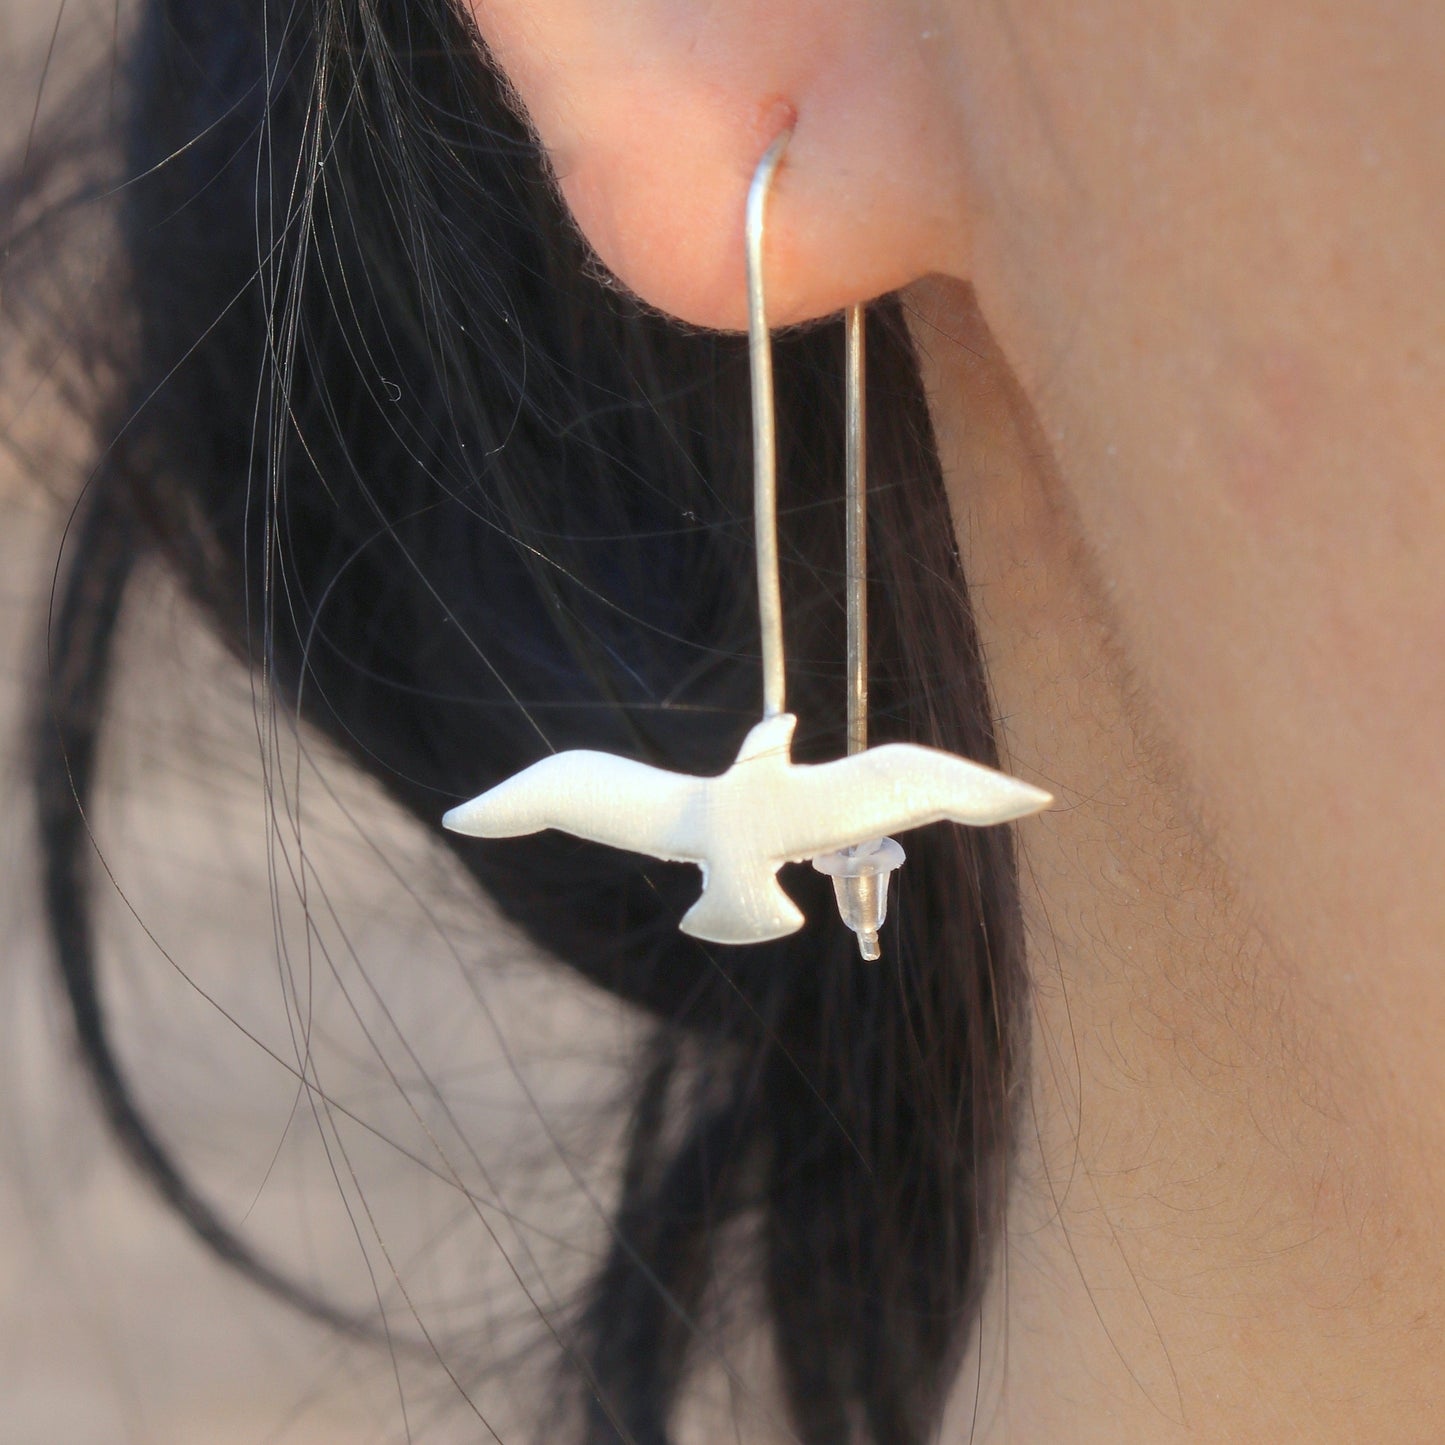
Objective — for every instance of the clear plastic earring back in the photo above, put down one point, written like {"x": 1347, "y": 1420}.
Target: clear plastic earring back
{"x": 860, "y": 877}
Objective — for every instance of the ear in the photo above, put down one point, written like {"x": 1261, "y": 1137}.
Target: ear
{"x": 656, "y": 112}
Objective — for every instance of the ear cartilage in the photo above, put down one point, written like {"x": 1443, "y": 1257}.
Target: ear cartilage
{"x": 860, "y": 877}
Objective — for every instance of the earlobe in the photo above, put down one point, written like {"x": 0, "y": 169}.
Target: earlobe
{"x": 655, "y": 117}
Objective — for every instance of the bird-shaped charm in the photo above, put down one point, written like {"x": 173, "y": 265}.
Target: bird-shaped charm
{"x": 741, "y": 827}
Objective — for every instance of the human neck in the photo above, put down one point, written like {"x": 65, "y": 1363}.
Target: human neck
{"x": 1204, "y": 1241}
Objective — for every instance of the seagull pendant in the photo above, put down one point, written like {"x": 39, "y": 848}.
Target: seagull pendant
{"x": 741, "y": 827}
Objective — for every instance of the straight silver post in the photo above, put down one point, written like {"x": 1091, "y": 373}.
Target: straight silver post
{"x": 856, "y": 505}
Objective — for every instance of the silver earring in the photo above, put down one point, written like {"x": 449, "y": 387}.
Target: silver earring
{"x": 766, "y": 810}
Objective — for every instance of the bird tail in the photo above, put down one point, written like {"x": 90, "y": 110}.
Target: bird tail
{"x": 742, "y": 906}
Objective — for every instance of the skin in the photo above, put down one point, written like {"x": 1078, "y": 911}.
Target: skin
{"x": 1174, "y": 273}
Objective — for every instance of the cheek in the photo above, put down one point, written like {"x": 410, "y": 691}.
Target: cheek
{"x": 1281, "y": 405}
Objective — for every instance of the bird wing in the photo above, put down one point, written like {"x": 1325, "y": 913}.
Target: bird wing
{"x": 606, "y": 799}
{"x": 894, "y": 787}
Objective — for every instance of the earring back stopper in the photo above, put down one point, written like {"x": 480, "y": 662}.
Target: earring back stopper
{"x": 860, "y": 877}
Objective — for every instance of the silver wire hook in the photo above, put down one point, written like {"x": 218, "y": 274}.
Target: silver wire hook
{"x": 765, "y": 474}
{"x": 860, "y": 873}
{"x": 765, "y": 436}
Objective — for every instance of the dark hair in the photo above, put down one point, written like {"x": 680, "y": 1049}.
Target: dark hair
{"x": 462, "y": 500}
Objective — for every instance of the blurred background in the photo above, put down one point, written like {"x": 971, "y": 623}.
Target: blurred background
{"x": 444, "y": 1169}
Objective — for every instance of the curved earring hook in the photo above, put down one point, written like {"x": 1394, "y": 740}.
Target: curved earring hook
{"x": 765, "y": 436}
